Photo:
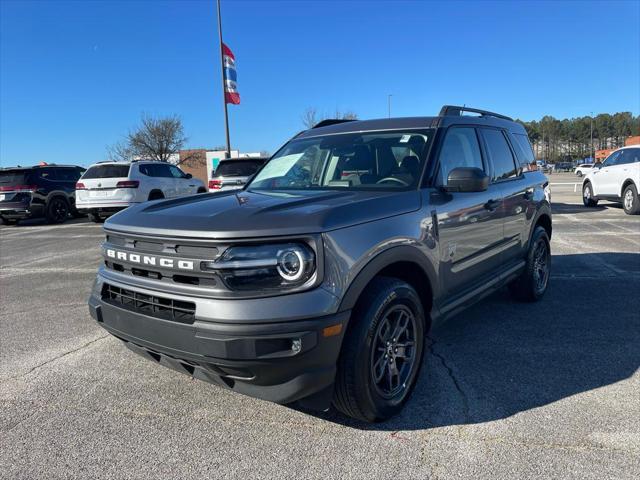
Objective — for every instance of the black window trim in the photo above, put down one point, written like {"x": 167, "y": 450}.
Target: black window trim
{"x": 519, "y": 170}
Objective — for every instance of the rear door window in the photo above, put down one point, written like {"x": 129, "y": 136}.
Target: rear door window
{"x": 107, "y": 171}
{"x": 630, "y": 155}
{"x": 503, "y": 163}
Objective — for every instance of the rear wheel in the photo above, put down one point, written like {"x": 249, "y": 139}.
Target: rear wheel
{"x": 587, "y": 196}
{"x": 533, "y": 283}
{"x": 630, "y": 201}
{"x": 57, "y": 210}
{"x": 382, "y": 352}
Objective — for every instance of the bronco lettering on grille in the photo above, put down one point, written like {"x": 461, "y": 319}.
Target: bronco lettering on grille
{"x": 149, "y": 259}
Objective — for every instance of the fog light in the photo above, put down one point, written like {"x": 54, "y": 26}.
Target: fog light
{"x": 296, "y": 345}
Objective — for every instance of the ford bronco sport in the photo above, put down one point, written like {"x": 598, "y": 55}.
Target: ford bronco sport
{"x": 319, "y": 281}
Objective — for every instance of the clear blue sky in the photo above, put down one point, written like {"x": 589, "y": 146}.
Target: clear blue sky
{"x": 75, "y": 76}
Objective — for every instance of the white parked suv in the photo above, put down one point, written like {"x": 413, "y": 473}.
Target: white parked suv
{"x": 108, "y": 187}
{"x": 583, "y": 169}
{"x": 617, "y": 179}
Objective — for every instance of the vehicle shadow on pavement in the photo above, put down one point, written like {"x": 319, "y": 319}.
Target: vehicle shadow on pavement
{"x": 41, "y": 222}
{"x": 564, "y": 208}
{"x": 501, "y": 357}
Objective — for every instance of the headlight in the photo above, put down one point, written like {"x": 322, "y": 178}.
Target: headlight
{"x": 265, "y": 267}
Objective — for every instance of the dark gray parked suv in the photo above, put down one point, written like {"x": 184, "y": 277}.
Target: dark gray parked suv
{"x": 319, "y": 281}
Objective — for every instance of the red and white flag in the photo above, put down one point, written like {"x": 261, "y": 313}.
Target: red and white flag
{"x": 231, "y": 94}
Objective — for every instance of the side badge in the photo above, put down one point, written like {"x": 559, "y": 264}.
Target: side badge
{"x": 451, "y": 249}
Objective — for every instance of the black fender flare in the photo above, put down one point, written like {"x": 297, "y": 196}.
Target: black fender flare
{"x": 402, "y": 253}
{"x": 543, "y": 209}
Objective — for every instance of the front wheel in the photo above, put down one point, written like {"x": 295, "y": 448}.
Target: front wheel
{"x": 630, "y": 201}
{"x": 587, "y": 196}
{"x": 532, "y": 284}
{"x": 382, "y": 352}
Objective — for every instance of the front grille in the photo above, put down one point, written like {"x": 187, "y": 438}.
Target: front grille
{"x": 151, "y": 305}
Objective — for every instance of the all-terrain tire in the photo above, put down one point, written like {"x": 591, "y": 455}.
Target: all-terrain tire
{"x": 368, "y": 349}
{"x": 532, "y": 284}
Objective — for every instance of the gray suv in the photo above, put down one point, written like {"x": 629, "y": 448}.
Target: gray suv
{"x": 319, "y": 281}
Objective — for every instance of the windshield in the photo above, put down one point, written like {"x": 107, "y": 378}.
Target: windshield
{"x": 238, "y": 168}
{"x": 363, "y": 160}
{"x": 107, "y": 171}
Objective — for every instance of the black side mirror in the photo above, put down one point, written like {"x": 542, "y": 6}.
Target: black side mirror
{"x": 467, "y": 179}
{"x": 189, "y": 175}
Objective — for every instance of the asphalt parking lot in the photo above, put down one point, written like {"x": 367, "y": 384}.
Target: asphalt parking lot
{"x": 508, "y": 390}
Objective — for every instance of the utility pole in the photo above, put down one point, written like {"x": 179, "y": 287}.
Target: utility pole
{"x": 389, "y": 104}
{"x": 227, "y": 153}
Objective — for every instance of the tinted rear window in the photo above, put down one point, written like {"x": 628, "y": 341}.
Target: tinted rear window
{"x": 238, "y": 168}
{"x": 523, "y": 149}
{"x": 14, "y": 177}
{"x": 107, "y": 171}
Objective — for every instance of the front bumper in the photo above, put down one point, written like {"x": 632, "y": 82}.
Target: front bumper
{"x": 278, "y": 360}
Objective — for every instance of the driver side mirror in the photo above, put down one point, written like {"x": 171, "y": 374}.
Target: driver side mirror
{"x": 189, "y": 176}
{"x": 467, "y": 179}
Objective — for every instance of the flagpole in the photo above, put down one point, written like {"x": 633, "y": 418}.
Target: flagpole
{"x": 224, "y": 98}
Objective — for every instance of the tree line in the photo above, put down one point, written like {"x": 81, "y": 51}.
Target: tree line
{"x": 570, "y": 139}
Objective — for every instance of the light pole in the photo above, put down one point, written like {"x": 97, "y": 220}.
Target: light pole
{"x": 591, "y": 152}
{"x": 389, "y": 104}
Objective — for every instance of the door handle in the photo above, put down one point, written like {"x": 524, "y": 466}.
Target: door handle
{"x": 491, "y": 205}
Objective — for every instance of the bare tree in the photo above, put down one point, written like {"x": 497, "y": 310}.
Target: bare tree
{"x": 120, "y": 152}
{"x": 154, "y": 139}
{"x": 311, "y": 118}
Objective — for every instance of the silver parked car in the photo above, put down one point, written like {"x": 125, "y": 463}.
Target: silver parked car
{"x": 234, "y": 173}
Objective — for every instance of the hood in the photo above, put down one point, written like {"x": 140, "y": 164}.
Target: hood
{"x": 246, "y": 214}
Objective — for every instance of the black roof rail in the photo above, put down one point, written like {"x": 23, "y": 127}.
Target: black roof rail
{"x": 456, "y": 111}
{"x": 331, "y": 121}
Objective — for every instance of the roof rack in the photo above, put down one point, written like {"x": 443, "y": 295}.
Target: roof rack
{"x": 456, "y": 111}
{"x": 331, "y": 121}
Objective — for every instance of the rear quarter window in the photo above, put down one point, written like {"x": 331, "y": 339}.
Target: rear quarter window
{"x": 107, "y": 171}
{"x": 523, "y": 149}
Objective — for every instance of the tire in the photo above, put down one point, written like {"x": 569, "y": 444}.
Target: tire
{"x": 587, "y": 196}
{"x": 630, "y": 200}
{"x": 156, "y": 195}
{"x": 532, "y": 284}
{"x": 57, "y": 210}
{"x": 95, "y": 218}
{"x": 367, "y": 352}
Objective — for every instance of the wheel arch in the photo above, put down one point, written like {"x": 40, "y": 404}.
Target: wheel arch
{"x": 543, "y": 219}
{"x": 155, "y": 191}
{"x": 404, "y": 263}
{"x": 625, "y": 184}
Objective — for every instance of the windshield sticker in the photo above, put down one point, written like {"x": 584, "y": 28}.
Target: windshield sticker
{"x": 405, "y": 138}
{"x": 279, "y": 167}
